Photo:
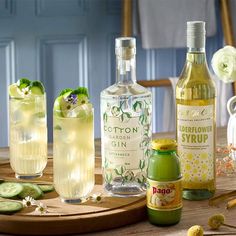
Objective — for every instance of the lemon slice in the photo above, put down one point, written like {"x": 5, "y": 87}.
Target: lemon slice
{"x": 14, "y": 91}
{"x": 71, "y": 101}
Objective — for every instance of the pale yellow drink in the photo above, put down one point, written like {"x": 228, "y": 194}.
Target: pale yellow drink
{"x": 73, "y": 156}
{"x": 28, "y": 135}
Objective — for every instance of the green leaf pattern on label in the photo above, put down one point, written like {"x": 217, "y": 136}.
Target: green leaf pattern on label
{"x": 125, "y": 112}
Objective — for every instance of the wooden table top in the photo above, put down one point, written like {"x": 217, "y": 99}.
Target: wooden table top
{"x": 194, "y": 212}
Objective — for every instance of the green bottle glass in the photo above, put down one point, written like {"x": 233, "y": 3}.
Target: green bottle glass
{"x": 164, "y": 186}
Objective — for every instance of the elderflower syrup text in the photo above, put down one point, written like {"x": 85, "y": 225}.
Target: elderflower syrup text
{"x": 196, "y": 139}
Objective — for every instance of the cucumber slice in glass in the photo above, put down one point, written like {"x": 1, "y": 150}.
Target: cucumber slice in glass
{"x": 82, "y": 90}
{"x": 66, "y": 91}
{"x": 9, "y": 207}
{"x": 10, "y": 189}
{"x": 37, "y": 88}
{"x": 31, "y": 190}
{"x": 23, "y": 83}
{"x": 46, "y": 188}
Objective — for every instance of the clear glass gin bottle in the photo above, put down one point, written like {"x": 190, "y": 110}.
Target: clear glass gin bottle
{"x": 126, "y": 109}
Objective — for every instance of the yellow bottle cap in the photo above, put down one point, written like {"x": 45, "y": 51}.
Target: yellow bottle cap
{"x": 164, "y": 144}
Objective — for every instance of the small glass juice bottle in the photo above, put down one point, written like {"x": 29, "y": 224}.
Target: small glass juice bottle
{"x": 164, "y": 188}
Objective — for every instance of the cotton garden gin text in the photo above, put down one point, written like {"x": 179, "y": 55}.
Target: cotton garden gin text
{"x": 119, "y": 135}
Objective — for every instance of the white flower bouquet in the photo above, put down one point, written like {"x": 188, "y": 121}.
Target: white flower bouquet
{"x": 224, "y": 64}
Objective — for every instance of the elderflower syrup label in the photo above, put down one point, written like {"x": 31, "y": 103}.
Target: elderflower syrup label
{"x": 126, "y": 136}
{"x": 165, "y": 196}
{"x": 195, "y": 131}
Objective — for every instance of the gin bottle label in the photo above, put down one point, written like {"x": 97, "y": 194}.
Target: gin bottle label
{"x": 126, "y": 132}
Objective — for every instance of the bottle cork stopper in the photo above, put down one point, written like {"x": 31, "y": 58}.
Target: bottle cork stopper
{"x": 196, "y": 34}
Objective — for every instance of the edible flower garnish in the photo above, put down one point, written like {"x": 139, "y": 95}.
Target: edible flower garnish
{"x": 42, "y": 208}
{"x": 28, "y": 202}
{"x": 72, "y": 98}
{"x": 26, "y": 91}
{"x": 96, "y": 198}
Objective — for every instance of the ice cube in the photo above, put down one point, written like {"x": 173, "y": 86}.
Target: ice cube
{"x": 39, "y": 118}
{"x": 81, "y": 111}
{"x": 23, "y": 135}
{"x": 17, "y": 117}
{"x": 68, "y": 136}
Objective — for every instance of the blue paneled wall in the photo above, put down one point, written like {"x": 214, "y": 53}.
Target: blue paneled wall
{"x": 70, "y": 43}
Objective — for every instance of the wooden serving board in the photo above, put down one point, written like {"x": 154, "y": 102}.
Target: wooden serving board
{"x": 63, "y": 219}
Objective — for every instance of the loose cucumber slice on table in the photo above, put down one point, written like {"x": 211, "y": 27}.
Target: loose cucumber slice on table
{"x": 8, "y": 207}
{"x": 31, "y": 190}
{"x": 9, "y": 189}
{"x": 46, "y": 188}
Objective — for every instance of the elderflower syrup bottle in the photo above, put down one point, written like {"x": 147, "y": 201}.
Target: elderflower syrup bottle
{"x": 195, "y": 101}
{"x": 126, "y": 126}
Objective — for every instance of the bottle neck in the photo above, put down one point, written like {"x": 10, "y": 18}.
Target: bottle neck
{"x": 125, "y": 70}
{"x": 196, "y": 55}
{"x": 162, "y": 152}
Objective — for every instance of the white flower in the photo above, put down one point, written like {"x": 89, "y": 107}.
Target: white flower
{"x": 224, "y": 64}
{"x": 96, "y": 198}
{"x": 42, "y": 208}
{"x": 26, "y": 91}
{"x": 28, "y": 201}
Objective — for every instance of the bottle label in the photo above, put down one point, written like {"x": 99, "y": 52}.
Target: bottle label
{"x": 126, "y": 136}
{"x": 165, "y": 196}
{"x": 195, "y": 132}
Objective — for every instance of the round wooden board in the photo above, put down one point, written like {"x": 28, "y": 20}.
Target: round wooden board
{"x": 63, "y": 219}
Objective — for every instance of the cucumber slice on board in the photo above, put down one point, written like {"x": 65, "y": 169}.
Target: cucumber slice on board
{"x": 8, "y": 207}
{"x": 31, "y": 190}
{"x": 10, "y": 189}
{"x": 46, "y": 188}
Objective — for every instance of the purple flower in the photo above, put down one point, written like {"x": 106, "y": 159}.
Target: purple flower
{"x": 72, "y": 98}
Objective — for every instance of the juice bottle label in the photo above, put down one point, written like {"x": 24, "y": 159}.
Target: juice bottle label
{"x": 195, "y": 131}
{"x": 165, "y": 196}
